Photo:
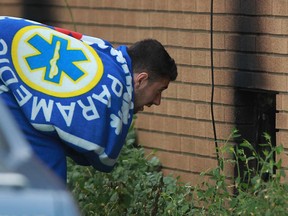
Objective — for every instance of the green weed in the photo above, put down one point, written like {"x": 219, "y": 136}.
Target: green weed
{"x": 137, "y": 186}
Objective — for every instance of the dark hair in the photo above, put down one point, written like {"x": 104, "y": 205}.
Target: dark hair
{"x": 150, "y": 55}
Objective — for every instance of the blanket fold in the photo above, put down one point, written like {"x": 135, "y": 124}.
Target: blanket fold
{"x": 71, "y": 94}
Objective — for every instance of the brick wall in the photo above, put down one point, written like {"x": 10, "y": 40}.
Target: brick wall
{"x": 250, "y": 55}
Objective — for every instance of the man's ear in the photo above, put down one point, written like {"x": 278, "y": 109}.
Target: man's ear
{"x": 140, "y": 79}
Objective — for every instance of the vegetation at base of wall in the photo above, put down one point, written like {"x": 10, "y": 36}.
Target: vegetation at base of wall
{"x": 258, "y": 191}
{"x": 137, "y": 187}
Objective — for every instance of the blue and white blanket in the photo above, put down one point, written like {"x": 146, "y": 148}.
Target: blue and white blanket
{"x": 70, "y": 93}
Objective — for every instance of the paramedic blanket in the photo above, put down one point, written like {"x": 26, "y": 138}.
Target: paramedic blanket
{"x": 71, "y": 94}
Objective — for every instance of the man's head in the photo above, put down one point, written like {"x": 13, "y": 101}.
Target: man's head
{"x": 153, "y": 69}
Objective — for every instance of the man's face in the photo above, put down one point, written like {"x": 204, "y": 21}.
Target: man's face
{"x": 148, "y": 92}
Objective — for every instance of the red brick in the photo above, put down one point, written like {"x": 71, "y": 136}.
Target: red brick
{"x": 224, "y": 131}
{"x": 265, "y": 8}
{"x": 160, "y": 35}
{"x": 200, "y": 22}
{"x": 284, "y": 157}
{"x": 184, "y": 127}
{"x": 188, "y": 109}
{"x": 280, "y": 7}
{"x": 200, "y": 75}
{"x": 110, "y": 4}
{"x": 202, "y": 111}
{"x": 270, "y": 26}
{"x": 185, "y": 56}
{"x": 222, "y": 23}
{"x": 173, "y": 160}
{"x": 281, "y": 138}
{"x": 276, "y": 82}
{"x": 219, "y": 41}
{"x": 279, "y": 102}
{"x": 228, "y": 112}
{"x": 172, "y": 38}
{"x": 132, "y": 4}
{"x": 199, "y": 164}
{"x": 248, "y": 6}
{"x": 162, "y": 109}
{"x": 184, "y": 38}
{"x": 171, "y": 6}
{"x": 202, "y": 6}
{"x": 282, "y": 120}
{"x": 157, "y": 123}
{"x": 219, "y": 7}
{"x": 284, "y": 179}
{"x": 160, "y": 5}
{"x": 185, "y": 177}
{"x": 198, "y": 128}
{"x": 5, "y": 2}
{"x": 200, "y": 93}
{"x": 224, "y": 77}
{"x": 147, "y": 4}
{"x": 202, "y": 40}
{"x": 188, "y": 5}
{"x": 11, "y": 10}
{"x": 271, "y": 44}
{"x": 197, "y": 146}
{"x": 170, "y": 125}
{"x": 174, "y": 108}
{"x": 188, "y": 145}
{"x": 282, "y": 102}
{"x": 162, "y": 141}
{"x": 184, "y": 91}
{"x": 183, "y": 21}
{"x": 284, "y": 26}
{"x": 171, "y": 91}
{"x": 232, "y": 6}
{"x": 200, "y": 58}
{"x": 142, "y": 121}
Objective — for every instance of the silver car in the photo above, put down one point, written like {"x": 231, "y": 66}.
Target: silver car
{"x": 27, "y": 187}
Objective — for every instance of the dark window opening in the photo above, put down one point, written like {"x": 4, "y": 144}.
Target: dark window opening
{"x": 255, "y": 115}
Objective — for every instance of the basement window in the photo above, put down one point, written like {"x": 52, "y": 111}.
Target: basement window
{"x": 255, "y": 115}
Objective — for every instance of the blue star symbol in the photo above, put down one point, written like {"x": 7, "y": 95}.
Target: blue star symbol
{"x": 56, "y": 58}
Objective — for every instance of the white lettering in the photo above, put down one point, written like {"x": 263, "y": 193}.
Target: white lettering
{"x": 22, "y": 96}
{"x": 42, "y": 105}
{"x": 118, "y": 54}
{"x": 67, "y": 112}
{"x": 89, "y": 112}
{"x": 105, "y": 93}
{"x": 116, "y": 84}
{"x": 3, "y": 88}
{"x": 9, "y": 75}
{"x": 5, "y": 47}
{"x": 91, "y": 40}
{"x": 4, "y": 61}
{"x": 125, "y": 68}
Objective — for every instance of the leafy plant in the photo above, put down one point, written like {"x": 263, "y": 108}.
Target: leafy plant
{"x": 250, "y": 194}
{"x": 137, "y": 186}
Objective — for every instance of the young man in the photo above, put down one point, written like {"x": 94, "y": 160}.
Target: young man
{"x": 75, "y": 95}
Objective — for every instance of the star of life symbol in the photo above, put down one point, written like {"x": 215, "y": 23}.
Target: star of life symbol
{"x": 56, "y": 58}
{"x": 54, "y": 63}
